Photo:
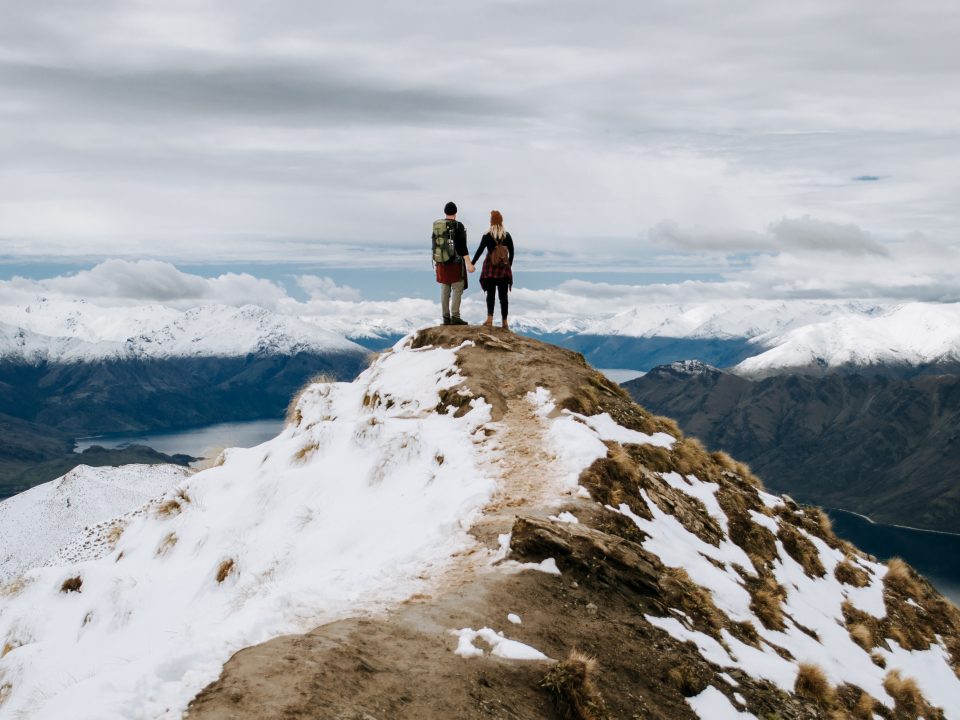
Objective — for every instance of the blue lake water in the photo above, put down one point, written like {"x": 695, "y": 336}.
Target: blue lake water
{"x": 934, "y": 554}
{"x": 200, "y": 442}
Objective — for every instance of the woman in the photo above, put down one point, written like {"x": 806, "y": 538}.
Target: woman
{"x": 496, "y": 277}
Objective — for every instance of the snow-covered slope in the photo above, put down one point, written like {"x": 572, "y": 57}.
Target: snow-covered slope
{"x": 763, "y": 320}
{"x": 70, "y": 331}
{"x": 910, "y": 334}
{"x": 348, "y": 509}
{"x": 36, "y": 524}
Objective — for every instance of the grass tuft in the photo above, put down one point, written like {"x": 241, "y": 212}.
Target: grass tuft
{"x": 572, "y": 683}
{"x": 304, "y": 453}
{"x": 767, "y": 604}
{"x": 72, "y": 585}
{"x": 688, "y": 680}
{"x": 166, "y": 545}
{"x": 174, "y": 505}
{"x": 850, "y": 574}
{"x": 862, "y": 636}
{"x": 812, "y": 684}
{"x": 905, "y": 693}
{"x": 225, "y": 569}
{"x": 294, "y": 416}
{"x": 801, "y": 550}
{"x": 902, "y": 578}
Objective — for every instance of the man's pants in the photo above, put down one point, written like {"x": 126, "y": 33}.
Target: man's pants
{"x": 445, "y": 304}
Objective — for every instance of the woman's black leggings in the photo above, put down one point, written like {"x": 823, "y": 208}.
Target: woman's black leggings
{"x": 501, "y": 287}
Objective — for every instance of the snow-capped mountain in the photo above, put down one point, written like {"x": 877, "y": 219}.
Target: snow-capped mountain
{"x": 772, "y": 335}
{"x": 73, "y": 331}
{"x": 480, "y": 500}
{"x": 913, "y": 334}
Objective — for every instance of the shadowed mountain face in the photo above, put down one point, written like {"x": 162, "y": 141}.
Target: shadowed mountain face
{"x": 888, "y": 448}
{"x": 42, "y": 407}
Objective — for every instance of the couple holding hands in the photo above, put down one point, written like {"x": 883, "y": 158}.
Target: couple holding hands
{"x": 451, "y": 258}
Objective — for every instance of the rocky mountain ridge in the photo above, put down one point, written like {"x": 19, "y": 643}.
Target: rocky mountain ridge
{"x": 480, "y": 526}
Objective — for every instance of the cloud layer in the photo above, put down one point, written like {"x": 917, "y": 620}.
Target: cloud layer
{"x": 223, "y": 130}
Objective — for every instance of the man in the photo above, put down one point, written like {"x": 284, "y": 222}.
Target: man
{"x": 452, "y": 275}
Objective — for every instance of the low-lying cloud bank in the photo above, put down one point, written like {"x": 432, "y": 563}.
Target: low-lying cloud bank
{"x": 794, "y": 259}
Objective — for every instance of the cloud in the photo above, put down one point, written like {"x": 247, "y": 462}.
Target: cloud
{"x": 324, "y": 288}
{"x": 223, "y": 129}
{"x": 808, "y": 233}
{"x": 787, "y": 235}
{"x": 147, "y": 281}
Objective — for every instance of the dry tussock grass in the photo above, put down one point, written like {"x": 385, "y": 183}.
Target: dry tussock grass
{"x": 687, "y": 679}
{"x": 166, "y": 545}
{"x": 680, "y": 592}
{"x": 304, "y": 453}
{"x": 225, "y": 569}
{"x": 72, "y": 585}
{"x": 115, "y": 533}
{"x": 573, "y": 685}
{"x": 14, "y": 587}
{"x": 850, "y": 574}
{"x": 801, "y": 550}
{"x": 5, "y": 690}
{"x": 811, "y": 684}
{"x": 902, "y": 578}
{"x": 615, "y": 479}
{"x": 855, "y": 703}
{"x": 757, "y": 541}
{"x": 766, "y": 602}
{"x": 862, "y": 635}
{"x": 9, "y": 646}
{"x": 293, "y": 416}
{"x": 906, "y": 695}
{"x": 174, "y": 505}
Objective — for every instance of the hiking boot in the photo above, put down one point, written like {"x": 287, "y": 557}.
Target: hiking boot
{"x": 458, "y": 321}
{"x": 489, "y": 321}
{"x": 446, "y": 320}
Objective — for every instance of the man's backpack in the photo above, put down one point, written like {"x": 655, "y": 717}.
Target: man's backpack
{"x": 500, "y": 255}
{"x": 444, "y": 244}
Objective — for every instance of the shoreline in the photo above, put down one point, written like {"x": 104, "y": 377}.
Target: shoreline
{"x": 893, "y": 525}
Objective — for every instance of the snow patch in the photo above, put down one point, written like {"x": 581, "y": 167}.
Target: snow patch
{"x": 712, "y": 704}
{"x": 500, "y": 646}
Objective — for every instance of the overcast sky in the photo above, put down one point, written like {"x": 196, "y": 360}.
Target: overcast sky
{"x": 798, "y": 149}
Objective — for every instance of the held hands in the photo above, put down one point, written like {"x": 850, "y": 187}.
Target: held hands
{"x": 470, "y": 266}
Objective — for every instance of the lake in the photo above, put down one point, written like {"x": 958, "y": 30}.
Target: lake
{"x": 934, "y": 554}
{"x": 621, "y": 375}
{"x": 200, "y": 442}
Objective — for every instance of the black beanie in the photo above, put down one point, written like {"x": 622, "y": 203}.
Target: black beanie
{"x": 450, "y": 208}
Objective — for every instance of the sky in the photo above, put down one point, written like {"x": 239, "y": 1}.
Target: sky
{"x": 698, "y": 149}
